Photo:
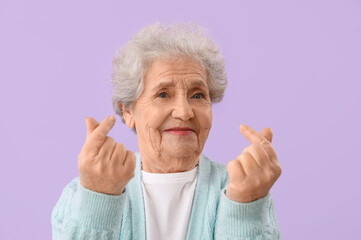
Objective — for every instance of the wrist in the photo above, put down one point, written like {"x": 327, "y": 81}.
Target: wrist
{"x": 238, "y": 196}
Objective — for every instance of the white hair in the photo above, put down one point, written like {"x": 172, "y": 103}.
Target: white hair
{"x": 161, "y": 41}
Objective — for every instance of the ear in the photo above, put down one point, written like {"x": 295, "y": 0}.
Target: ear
{"x": 128, "y": 117}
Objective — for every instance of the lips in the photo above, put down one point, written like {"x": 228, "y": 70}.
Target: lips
{"x": 179, "y": 129}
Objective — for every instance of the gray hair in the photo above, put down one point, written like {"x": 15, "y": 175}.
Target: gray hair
{"x": 161, "y": 41}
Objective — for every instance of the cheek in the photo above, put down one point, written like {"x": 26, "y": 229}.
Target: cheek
{"x": 205, "y": 119}
{"x": 154, "y": 117}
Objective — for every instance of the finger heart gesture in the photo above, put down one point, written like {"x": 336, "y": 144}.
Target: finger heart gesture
{"x": 256, "y": 169}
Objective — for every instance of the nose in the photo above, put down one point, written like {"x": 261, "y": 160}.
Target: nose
{"x": 182, "y": 110}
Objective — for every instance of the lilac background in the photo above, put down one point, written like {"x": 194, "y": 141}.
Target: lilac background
{"x": 294, "y": 66}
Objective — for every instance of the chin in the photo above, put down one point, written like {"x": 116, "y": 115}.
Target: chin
{"x": 180, "y": 147}
{"x": 181, "y": 152}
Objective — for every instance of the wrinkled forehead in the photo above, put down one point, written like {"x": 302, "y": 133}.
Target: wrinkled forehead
{"x": 186, "y": 73}
{"x": 182, "y": 82}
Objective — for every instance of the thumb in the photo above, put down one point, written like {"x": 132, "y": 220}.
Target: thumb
{"x": 267, "y": 133}
{"x": 91, "y": 124}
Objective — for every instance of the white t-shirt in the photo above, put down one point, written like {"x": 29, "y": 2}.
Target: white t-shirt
{"x": 168, "y": 199}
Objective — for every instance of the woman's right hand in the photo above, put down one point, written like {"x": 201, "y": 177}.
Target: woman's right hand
{"x": 105, "y": 166}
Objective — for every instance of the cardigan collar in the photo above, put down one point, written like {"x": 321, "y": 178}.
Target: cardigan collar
{"x": 199, "y": 199}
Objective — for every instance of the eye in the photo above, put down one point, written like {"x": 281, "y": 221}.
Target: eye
{"x": 163, "y": 95}
{"x": 198, "y": 95}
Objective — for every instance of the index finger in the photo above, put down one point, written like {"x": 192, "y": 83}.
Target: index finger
{"x": 101, "y": 132}
{"x": 252, "y": 135}
{"x": 97, "y": 137}
{"x": 256, "y": 138}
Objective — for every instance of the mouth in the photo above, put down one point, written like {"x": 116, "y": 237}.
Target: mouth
{"x": 180, "y": 131}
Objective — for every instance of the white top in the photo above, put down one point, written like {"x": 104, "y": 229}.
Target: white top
{"x": 168, "y": 199}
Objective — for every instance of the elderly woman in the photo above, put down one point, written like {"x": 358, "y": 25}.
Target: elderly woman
{"x": 165, "y": 81}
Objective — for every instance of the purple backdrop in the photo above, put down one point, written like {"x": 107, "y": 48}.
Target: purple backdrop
{"x": 294, "y": 66}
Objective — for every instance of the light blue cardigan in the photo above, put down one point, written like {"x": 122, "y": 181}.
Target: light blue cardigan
{"x": 84, "y": 214}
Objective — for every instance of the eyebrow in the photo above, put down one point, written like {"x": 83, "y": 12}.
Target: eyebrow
{"x": 168, "y": 83}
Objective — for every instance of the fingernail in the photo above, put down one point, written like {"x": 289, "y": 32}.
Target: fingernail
{"x": 112, "y": 118}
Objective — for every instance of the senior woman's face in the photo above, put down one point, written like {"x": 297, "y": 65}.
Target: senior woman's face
{"x": 173, "y": 115}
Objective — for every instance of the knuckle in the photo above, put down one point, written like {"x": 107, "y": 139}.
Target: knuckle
{"x": 256, "y": 182}
{"x": 264, "y": 142}
{"x": 269, "y": 175}
{"x": 97, "y": 136}
{"x": 98, "y": 157}
{"x": 83, "y": 160}
{"x": 118, "y": 150}
{"x": 131, "y": 159}
{"x": 279, "y": 171}
{"x": 133, "y": 165}
{"x": 238, "y": 157}
{"x": 244, "y": 157}
{"x": 109, "y": 140}
{"x": 83, "y": 156}
{"x": 131, "y": 174}
{"x": 257, "y": 146}
{"x": 246, "y": 149}
{"x": 133, "y": 168}
{"x": 277, "y": 168}
{"x": 99, "y": 169}
{"x": 121, "y": 148}
{"x": 232, "y": 164}
{"x": 254, "y": 146}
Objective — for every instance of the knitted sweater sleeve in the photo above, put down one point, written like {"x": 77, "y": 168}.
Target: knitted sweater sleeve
{"x": 246, "y": 221}
{"x": 81, "y": 213}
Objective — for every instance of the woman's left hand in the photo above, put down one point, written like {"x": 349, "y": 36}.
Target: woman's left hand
{"x": 256, "y": 169}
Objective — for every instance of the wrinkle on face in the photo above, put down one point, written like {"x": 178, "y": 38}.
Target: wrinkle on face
{"x": 181, "y": 80}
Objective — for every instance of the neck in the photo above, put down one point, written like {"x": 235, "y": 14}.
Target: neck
{"x": 168, "y": 164}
